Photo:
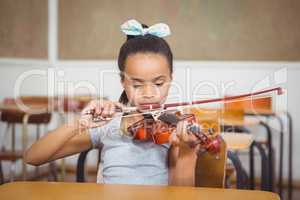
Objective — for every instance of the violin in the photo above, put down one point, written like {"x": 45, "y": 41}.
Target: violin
{"x": 159, "y": 130}
{"x": 156, "y": 123}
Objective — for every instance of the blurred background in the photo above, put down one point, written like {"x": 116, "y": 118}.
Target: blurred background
{"x": 69, "y": 48}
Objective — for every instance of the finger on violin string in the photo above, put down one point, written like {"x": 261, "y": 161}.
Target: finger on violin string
{"x": 178, "y": 129}
{"x": 181, "y": 131}
{"x": 185, "y": 135}
{"x": 173, "y": 139}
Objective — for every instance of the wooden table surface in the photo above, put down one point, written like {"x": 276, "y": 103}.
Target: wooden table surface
{"x": 91, "y": 191}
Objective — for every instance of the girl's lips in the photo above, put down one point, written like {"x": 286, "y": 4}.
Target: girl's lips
{"x": 146, "y": 106}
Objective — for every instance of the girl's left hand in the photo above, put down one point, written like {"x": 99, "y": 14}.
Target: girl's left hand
{"x": 183, "y": 140}
{"x": 182, "y": 157}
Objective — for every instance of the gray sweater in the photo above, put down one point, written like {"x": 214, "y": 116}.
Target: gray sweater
{"x": 127, "y": 161}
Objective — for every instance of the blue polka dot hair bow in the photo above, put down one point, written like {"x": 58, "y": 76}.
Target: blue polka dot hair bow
{"x": 133, "y": 27}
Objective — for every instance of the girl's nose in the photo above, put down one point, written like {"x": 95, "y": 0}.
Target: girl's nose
{"x": 149, "y": 91}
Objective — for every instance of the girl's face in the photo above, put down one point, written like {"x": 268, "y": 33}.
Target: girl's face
{"x": 147, "y": 78}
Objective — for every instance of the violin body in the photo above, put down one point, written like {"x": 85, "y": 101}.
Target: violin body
{"x": 159, "y": 129}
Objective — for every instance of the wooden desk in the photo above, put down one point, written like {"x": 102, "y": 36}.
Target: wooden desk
{"x": 91, "y": 191}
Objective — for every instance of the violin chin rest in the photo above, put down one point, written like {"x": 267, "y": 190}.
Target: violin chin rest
{"x": 169, "y": 118}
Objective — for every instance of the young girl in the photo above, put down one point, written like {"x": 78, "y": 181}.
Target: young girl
{"x": 146, "y": 65}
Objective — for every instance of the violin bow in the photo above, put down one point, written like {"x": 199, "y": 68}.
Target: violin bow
{"x": 279, "y": 91}
{"x": 154, "y": 108}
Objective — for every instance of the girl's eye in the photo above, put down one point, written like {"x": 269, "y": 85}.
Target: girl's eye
{"x": 137, "y": 86}
{"x": 159, "y": 84}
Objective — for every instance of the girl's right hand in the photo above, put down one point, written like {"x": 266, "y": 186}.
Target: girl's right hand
{"x": 103, "y": 109}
